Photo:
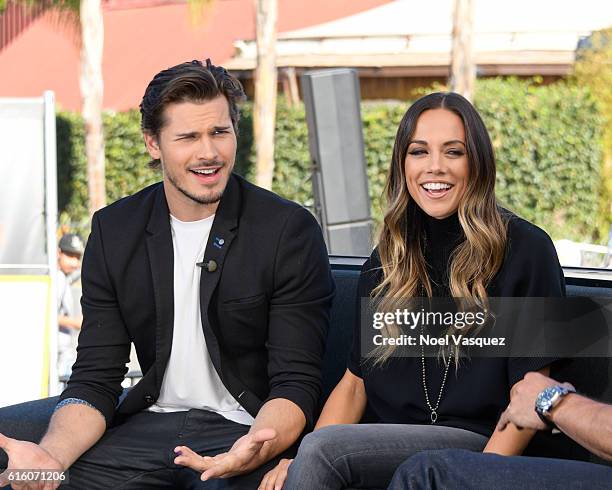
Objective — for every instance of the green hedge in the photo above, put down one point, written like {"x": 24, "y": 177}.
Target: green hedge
{"x": 548, "y": 145}
{"x": 126, "y": 164}
{"x": 593, "y": 69}
{"x": 547, "y": 140}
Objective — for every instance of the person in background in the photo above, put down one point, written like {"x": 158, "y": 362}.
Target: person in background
{"x": 69, "y": 254}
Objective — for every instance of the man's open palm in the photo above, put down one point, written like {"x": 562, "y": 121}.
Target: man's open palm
{"x": 236, "y": 461}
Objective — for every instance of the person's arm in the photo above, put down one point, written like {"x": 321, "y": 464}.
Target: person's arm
{"x": 104, "y": 343}
{"x": 299, "y": 314}
{"x": 587, "y": 422}
{"x": 512, "y": 439}
{"x": 345, "y": 404}
{"x": 70, "y": 322}
{"x": 73, "y": 429}
{"x": 287, "y": 421}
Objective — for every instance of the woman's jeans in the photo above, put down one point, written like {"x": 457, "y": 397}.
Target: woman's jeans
{"x": 454, "y": 468}
{"x": 367, "y": 455}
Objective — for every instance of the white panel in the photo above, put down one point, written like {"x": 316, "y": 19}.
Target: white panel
{"x": 24, "y": 338}
{"x": 22, "y": 182}
{"x": 28, "y": 225}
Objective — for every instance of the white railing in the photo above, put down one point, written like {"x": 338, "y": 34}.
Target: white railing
{"x": 575, "y": 254}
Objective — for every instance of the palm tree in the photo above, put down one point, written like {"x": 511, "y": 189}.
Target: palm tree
{"x": 92, "y": 91}
{"x": 264, "y": 111}
{"x": 463, "y": 69}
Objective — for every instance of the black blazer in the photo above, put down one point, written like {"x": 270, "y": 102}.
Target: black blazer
{"x": 265, "y": 309}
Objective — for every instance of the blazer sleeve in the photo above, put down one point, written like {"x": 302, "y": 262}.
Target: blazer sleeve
{"x": 299, "y": 313}
{"x": 104, "y": 345}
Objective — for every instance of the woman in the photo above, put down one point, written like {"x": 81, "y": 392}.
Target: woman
{"x": 443, "y": 235}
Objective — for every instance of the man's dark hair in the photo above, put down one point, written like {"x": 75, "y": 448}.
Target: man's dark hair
{"x": 188, "y": 82}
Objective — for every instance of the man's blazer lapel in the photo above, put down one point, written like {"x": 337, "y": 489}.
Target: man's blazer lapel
{"x": 161, "y": 259}
{"x": 221, "y": 235}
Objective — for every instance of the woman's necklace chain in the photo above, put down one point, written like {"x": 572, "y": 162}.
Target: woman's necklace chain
{"x": 434, "y": 410}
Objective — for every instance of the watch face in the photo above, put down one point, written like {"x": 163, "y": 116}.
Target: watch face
{"x": 545, "y": 399}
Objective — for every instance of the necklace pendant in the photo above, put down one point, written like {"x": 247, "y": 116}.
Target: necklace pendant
{"x": 434, "y": 416}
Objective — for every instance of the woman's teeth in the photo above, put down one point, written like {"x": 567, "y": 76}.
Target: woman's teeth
{"x": 436, "y": 186}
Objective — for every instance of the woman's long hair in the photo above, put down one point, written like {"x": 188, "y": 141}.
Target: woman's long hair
{"x": 477, "y": 259}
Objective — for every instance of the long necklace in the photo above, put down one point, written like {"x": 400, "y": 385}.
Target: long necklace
{"x": 433, "y": 410}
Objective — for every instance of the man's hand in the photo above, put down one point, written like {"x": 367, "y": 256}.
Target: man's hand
{"x": 275, "y": 478}
{"x": 244, "y": 456}
{"x": 521, "y": 410}
{"x": 29, "y": 456}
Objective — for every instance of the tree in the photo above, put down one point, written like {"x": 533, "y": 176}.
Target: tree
{"x": 593, "y": 68}
{"x": 92, "y": 91}
{"x": 264, "y": 111}
{"x": 463, "y": 69}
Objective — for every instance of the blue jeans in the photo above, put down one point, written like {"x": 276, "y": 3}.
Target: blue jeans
{"x": 367, "y": 455}
{"x": 455, "y": 468}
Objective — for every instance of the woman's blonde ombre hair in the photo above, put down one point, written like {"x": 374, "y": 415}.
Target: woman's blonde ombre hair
{"x": 477, "y": 258}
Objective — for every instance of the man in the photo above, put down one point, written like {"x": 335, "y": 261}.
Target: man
{"x": 537, "y": 402}
{"x": 225, "y": 290}
{"x": 69, "y": 253}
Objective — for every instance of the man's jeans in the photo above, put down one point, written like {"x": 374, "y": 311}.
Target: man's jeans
{"x": 366, "y": 455}
{"x": 139, "y": 454}
{"x": 454, "y": 468}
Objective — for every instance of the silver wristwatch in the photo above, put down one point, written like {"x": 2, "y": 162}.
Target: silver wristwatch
{"x": 549, "y": 399}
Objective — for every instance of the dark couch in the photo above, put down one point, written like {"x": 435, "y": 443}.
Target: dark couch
{"x": 28, "y": 421}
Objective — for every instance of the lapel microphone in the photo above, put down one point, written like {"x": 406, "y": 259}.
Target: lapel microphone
{"x": 209, "y": 265}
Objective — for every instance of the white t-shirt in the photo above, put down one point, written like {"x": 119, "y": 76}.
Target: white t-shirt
{"x": 190, "y": 380}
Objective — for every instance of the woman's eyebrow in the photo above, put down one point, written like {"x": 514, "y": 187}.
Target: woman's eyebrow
{"x": 454, "y": 142}
{"x": 446, "y": 143}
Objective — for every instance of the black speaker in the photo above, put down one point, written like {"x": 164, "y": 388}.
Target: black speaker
{"x": 335, "y": 138}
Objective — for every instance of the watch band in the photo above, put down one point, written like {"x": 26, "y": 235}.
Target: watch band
{"x": 549, "y": 423}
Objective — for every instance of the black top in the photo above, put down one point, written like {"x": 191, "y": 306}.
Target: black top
{"x": 477, "y": 393}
